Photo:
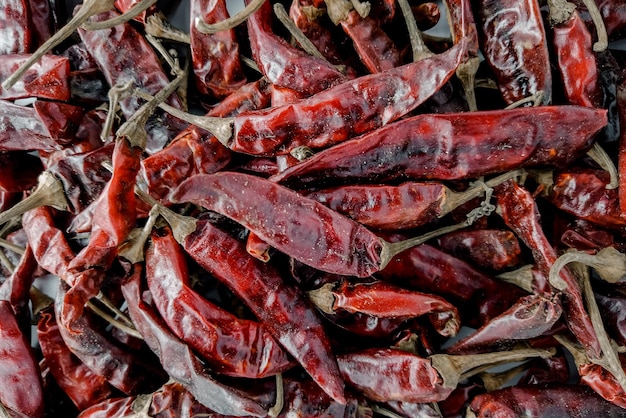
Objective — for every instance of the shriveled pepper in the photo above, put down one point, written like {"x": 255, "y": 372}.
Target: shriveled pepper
{"x": 454, "y": 146}
{"x": 48, "y": 79}
{"x": 15, "y": 32}
{"x": 232, "y": 346}
{"x": 515, "y": 46}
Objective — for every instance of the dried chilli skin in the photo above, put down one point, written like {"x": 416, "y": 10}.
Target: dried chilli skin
{"x": 48, "y": 78}
{"x": 215, "y": 57}
{"x": 577, "y": 62}
{"x": 542, "y": 402}
{"x": 288, "y": 221}
{"x": 519, "y": 211}
{"x": 15, "y": 35}
{"x": 21, "y": 129}
{"x": 233, "y": 346}
{"x": 454, "y": 146}
{"x": 285, "y": 65}
{"x": 344, "y": 111}
{"x": 530, "y": 317}
{"x": 583, "y": 193}
{"x": 386, "y": 207}
{"x": 179, "y": 361}
{"x": 488, "y": 249}
{"x": 24, "y": 394}
{"x": 287, "y": 314}
{"x": 514, "y": 44}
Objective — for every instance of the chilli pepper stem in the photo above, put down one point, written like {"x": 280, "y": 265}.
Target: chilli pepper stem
{"x": 221, "y": 128}
{"x": 603, "y": 39}
{"x": 159, "y": 27}
{"x": 418, "y": 47}
{"x": 279, "y": 403}
{"x": 11, "y": 247}
{"x": 560, "y": 11}
{"x": 117, "y": 324}
{"x": 231, "y": 22}
{"x": 121, "y": 19}
{"x": 49, "y": 192}
{"x": 451, "y": 367}
{"x": 88, "y": 9}
{"x": 599, "y": 155}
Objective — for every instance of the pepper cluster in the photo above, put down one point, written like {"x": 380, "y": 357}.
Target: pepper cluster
{"x": 365, "y": 222}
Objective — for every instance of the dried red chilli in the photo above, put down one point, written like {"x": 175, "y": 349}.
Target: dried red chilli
{"x": 515, "y": 46}
{"x": 83, "y": 386}
{"x": 215, "y": 57}
{"x": 529, "y": 317}
{"x": 565, "y": 400}
{"x": 427, "y": 269}
{"x": 454, "y": 146}
{"x": 232, "y": 346}
{"x": 24, "y": 394}
{"x": 287, "y": 315}
{"x": 179, "y": 361}
{"x": 337, "y": 114}
{"x": 15, "y": 32}
{"x": 195, "y": 151}
{"x": 283, "y": 64}
{"x": 384, "y": 300}
{"x": 519, "y": 211}
{"x": 123, "y": 55}
{"x": 488, "y": 249}
{"x": 48, "y": 79}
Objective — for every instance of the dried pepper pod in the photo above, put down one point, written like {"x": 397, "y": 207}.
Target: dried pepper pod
{"x": 178, "y": 359}
{"x": 392, "y": 375}
{"x": 454, "y": 146}
{"x": 15, "y": 32}
{"x": 542, "y": 402}
{"x": 83, "y": 386}
{"x": 384, "y": 300}
{"x": 215, "y": 57}
{"x": 515, "y": 46}
{"x": 334, "y": 115}
{"x": 488, "y": 249}
{"x": 232, "y": 346}
{"x": 25, "y": 395}
{"x": 48, "y": 79}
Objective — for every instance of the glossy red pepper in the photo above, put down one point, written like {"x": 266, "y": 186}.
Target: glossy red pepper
{"x": 178, "y": 359}
{"x": 514, "y": 44}
{"x": 454, "y": 146}
{"x": 83, "y": 386}
{"x": 287, "y": 314}
{"x": 344, "y": 111}
{"x": 194, "y": 150}
{"x": 564, "y": 400}
{"x": 578, "y": 66}
{"x": 232, "y": 346}
{"x": 530, "y": 317}
{"x": 215, "y": 57}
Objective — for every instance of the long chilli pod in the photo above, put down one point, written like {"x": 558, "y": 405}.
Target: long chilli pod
{"x": 455, "y": 146}
{"x": 298, "y": 226}
{"x": 337, "y": 114}
{"x": 284, "y": 315}
{"x": 231, "y": 345}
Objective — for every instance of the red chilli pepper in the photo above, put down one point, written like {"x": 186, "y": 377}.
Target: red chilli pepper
{"x": 514, "y": 44}
{"x": 287, "y": 314}
{"x": 15, "y": 33}
{"x": 455, "y": 146}
{"x": 48, "y": 78}
{"x": 232, "y": 346}
{"x": 18, "y": 365}
{"x": 215, "y": 57}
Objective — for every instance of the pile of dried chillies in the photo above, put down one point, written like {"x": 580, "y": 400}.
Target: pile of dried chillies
{"x": 347, "y": 196}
